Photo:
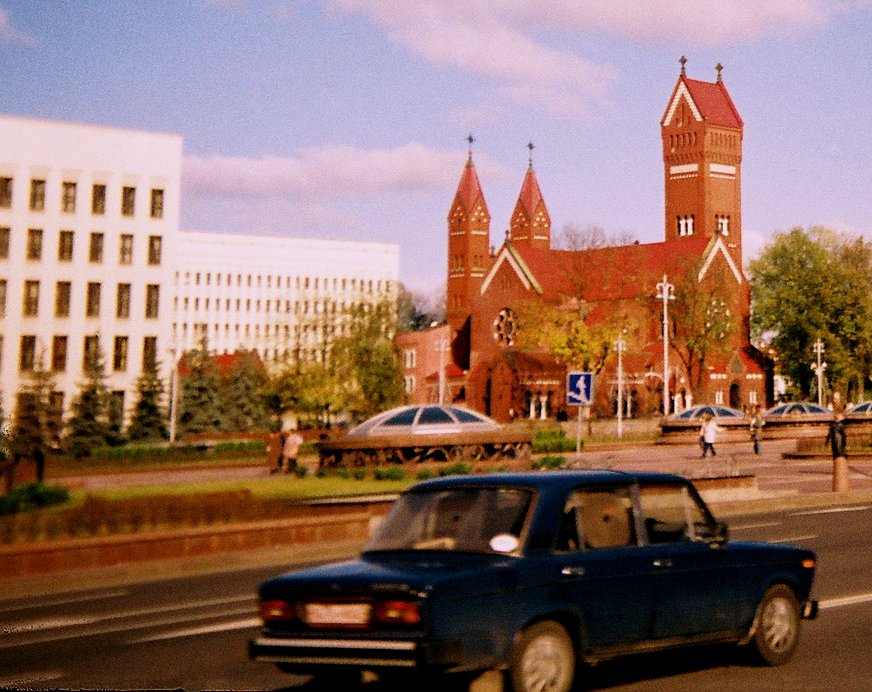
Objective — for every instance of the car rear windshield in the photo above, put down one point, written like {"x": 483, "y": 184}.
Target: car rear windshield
{"x": 455, "y": 519}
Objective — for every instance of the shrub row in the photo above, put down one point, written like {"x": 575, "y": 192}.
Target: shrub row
{"x": 32, "y": 496}
{"x": 552, "y": 440}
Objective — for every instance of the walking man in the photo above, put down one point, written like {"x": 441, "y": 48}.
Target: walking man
{"x": 708, "y": 433}
{"x": 757, "y": 428}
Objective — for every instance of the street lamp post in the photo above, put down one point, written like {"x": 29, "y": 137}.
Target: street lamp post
{"x": 441, "y": 346}
{"x": 819, "y": 369}
{"x": 620, "y": 347}
{"x": 174, "y": 395}
{"x": 665, "y": 292}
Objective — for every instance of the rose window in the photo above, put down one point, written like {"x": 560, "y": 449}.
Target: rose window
{"x": 504, "y": 327}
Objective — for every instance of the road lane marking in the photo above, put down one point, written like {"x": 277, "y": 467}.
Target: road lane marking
{"x": 196, "y": 631}
{"x": 762, "y": 525}
{"x": 831, "y": 510}
{"x": 793, "y": 539}
{"x": 67, "y": 600}
{"x": 845, "y": 601}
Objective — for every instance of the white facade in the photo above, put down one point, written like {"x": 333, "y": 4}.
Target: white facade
{"x": 282, "y": 297}
{"x": 88, "y": 222}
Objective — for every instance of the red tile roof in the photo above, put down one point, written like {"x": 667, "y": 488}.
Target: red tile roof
{"x": 469, "y": 188}
{"x": 713, "y": 102}
{"x": 530, "y": 195}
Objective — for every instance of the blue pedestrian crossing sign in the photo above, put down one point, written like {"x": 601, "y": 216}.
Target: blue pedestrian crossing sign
{"x": 579, "y": 388}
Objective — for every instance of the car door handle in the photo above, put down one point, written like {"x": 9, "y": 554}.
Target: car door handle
{"x": 572, "y": 571}
{"x": 663, "y": 562}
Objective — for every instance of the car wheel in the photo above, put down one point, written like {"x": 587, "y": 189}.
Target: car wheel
{"x": 543, "y": 659}
{"x": 776, "y": 632}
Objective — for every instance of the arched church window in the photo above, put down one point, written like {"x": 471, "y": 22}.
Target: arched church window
{"x": 504, "y": 327}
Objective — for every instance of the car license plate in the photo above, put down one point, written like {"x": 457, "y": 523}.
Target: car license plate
{"x": 342, "y": 614}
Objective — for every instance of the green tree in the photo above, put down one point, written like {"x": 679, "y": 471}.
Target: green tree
{"x": 700, "y": 322}
{"x": 311, "y": 391}
{"x": 415, "y": 312}
{"x": 148, "y": 420}
{"x": 809, "y": 285}
{"x": 89, "y": 423}
{"x": 199, "y": 403}
{"x": 366, "y": 360}
{"x": 242, "y": 395}
{"x": 30, "y": 437}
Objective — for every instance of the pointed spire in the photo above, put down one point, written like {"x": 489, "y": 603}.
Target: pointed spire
{"x": 530, "y": 223}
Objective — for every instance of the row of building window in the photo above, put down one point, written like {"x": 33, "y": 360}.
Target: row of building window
{"x": 30, "y": 358}
{"x": 63, "y": 298}
{"x": 66, "y": 242}
{"x": 300, "y": 307}
{"x": 301, "y": 282}
{"x": 686, "y": 224}
{"x": 69, "y": 195}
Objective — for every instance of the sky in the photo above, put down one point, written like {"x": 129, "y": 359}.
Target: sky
{"x": 348, "y": 119}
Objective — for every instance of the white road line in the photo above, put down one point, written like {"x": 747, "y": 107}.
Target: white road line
{"x": 195, "y": 631}
{"x": 762, "y": 525}
{"x": 793, "y": 539}
{"x": 68, "y": 600}
{"x": 846, "y": 600}
{"x": 831, "y": 510}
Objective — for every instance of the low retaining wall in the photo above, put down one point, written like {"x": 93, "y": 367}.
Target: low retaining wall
{"x": 726, "y": 488}
{"x": 59, "y": 556}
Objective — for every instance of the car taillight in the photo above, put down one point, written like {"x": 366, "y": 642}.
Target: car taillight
{"x": 274, "y": 611}
{"x": 397, "y": 612}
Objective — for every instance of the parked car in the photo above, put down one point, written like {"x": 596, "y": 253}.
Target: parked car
{"x": 532, "y": 574}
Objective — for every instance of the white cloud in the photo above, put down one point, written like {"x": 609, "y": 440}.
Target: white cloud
{"x": 9, "y": 34}
{"x": 513, "y": 41}
{"x": 328, "y": 173}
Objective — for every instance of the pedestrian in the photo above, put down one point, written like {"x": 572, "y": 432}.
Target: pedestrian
{"x": 757, "y": 428}
{"x": 274, "y": 444}
{"x": 290, "y": 449}
{"x": 709, "y": 432}
{"x": 836, "y": 436}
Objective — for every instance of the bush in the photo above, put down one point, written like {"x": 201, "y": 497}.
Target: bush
{"x": 390, "y": 473}
{"x": 458, "y": 469}
{"x": 32, "y": 496}
{"x": 425, "y": 474}
{"x": 552, "y": 440}
{"x": 549, "y": 463}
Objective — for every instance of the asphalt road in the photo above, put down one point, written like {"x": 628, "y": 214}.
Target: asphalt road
{"x": 190, "y": 632}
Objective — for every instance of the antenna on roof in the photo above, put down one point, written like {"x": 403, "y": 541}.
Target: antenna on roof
{"x": 683, "y": 62}
{"x": 719, "y": 68}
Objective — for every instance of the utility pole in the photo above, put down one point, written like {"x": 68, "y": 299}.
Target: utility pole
{"x": 819, "y": 369}
{"x": 620, "y": 348}
{"x": 665, "y": 292}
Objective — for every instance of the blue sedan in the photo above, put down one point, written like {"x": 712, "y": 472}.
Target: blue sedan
{"x": 533, "y": 574}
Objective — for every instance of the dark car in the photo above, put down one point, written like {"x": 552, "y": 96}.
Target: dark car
{"x": 533, "y": 573}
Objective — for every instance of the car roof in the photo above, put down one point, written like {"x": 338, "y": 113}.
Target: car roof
{"x": 549, "y": 480}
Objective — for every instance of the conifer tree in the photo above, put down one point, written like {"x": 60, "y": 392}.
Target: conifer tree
{"x": 88, "y": 426}
{"x": 199, "y": 404}
{"x": 148, "y": 421}
{"x": 243, "y": 400}
{"x": 31, "y": 430}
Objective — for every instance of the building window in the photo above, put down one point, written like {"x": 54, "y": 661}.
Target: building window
{"x": 65, "y": 246}
{"x": 723, "y": 224}
{"x": 95, "y": 248}
{"x": 122, "y": 302}
{"x": 409, "y": 384}
{"x": 91, "y": 352}
{"x": 30, "y": 307}
{"x": 152, "y": 300}
{"x": 34, "y": 243}
{"x": 5, "y": 192}
{"x": 409, "y": 358}
{"x": 119, "y": 355}
{"x": 98, "y": 200}
{"x": 128, "y": 201}
{"x": 93, "y": 307}
{"x": 149, "y": 352}
{"x": 154, "y": 249}
{"x": 27, "y": 353}
{"x": 504, "y": 327}
{"x": 37, "y": 195}
{"x": 63, "y": 290}
{"x": 4, "y": 243}
{"x": 59, "y": 354}
{"x": 157, "y": 204}
{"x": 2, "y": 297}
{"x": 68, "y": 197}
{"x": 126, "y": 249}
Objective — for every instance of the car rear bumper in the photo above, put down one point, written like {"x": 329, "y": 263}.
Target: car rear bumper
{"x": 310, "y": 653}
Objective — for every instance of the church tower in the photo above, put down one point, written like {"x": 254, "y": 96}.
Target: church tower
{"x": 702, "y": 161}
{"x": 530, "y": 225}
{"x": 468, "y": 246}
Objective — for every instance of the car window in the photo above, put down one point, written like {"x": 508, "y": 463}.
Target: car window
{"x": 594, "y": 519}
{"x": 671, "y": 514}
{"x": 459, "y": 519}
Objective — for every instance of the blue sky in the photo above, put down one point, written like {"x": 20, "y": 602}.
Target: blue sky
{"x": 348, "y": 119}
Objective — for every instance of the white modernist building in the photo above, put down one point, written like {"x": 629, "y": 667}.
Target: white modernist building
{"x": 284, "y": 298}
{"x": 88, "y": 223}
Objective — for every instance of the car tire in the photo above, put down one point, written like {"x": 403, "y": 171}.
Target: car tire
{"x": 543, "y": 659}
{"x": 776, "y": 626}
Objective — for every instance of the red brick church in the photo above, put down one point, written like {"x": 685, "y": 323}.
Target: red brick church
{"x": 699, "y": 263}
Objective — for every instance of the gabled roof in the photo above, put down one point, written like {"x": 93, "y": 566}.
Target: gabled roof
{"x": 708, "y": 101}
{"x": 610, "y": 273}
{"x": 469, "y": 188}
